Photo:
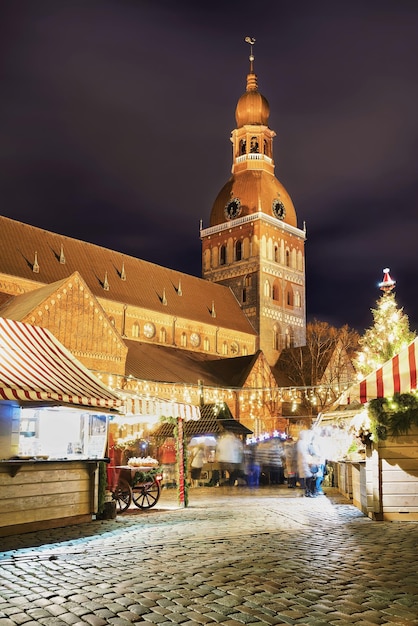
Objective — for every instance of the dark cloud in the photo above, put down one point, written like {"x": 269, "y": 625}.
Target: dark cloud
{"x": 115, "y": 120}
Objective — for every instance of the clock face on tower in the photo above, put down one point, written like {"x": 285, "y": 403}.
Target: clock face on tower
{"x": 279, "y": 209}
{"x": 149, "y": 330}
{"x": 194, "y": 339}
{"x": 233, "y": 209}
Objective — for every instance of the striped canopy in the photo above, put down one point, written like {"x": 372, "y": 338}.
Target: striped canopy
{"x": 398, "y": 375}
{"x": 34, "y": 366}
{"x": 157, "y": 407}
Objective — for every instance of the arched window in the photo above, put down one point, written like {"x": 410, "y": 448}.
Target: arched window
{"x": 247, "y": 285}
{"x": 276, "y": 337}
{"x": 276, "y": 291}
{"x": 206, "y": 259}
{"x": 297, "y": 299}
{"x": 276, "y": 253}
{"x": 206, "y": 344}
{"x": 163, "y": 335}
{"x": 289, "y": 296}
{"x": 267, "y": 289}
{"x": 289, "y": 338}
{"x": 135, "y": 329}
{"x": 215, "y": 256}
{"x": 238, "y": 250}
{"x": 183, "y": 340}
{"x": 224, "y": 348}
{"x": 242, "y": 146}
{"x": 287, "y": 258}
{"x": 222, "y": 255}
{"x": 254, "y": 145}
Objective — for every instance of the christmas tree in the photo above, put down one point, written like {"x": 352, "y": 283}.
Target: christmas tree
{"x": 388, "y": 335}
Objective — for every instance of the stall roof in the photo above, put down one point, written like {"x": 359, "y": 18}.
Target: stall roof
{"x": 398, "y": 375}
{"x": 140, "y": 406}
{"x": 212, "y": 422}
{"x": 34, "y": 366}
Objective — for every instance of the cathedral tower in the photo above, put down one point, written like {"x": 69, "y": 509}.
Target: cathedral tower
{"x": 253, "y": 244}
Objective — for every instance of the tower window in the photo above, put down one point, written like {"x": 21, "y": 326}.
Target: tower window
{"x": 254, "y": 145}
{"x": 222, "y": 255}
{"x": 135, "y": 329}
{"x": 276, "y": 337}
{"x": 183, "y": 340}
{"x": 224, "y": 348}
{"x": 276, "y": 291}
{"x": 242, "y": 146}
{"x": 206, "y": 344}
{"x": 238, "y": 251}
{"x": 287, "y": 258}
{"x": 267, "y": 289}
{"x": 163, "y": 335}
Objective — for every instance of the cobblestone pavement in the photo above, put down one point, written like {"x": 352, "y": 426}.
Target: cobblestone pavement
{"x": 235, "y": 556}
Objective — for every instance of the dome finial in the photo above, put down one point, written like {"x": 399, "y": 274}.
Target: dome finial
{"x": 251, "y": 41}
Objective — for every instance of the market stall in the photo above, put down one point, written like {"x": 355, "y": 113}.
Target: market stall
{"x": 131, "y": 444}
{"x": 54, "y": 418}
{"x": 385, "y": 484}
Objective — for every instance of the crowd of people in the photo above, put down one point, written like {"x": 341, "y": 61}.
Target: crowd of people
{"x": 301, "y": 463}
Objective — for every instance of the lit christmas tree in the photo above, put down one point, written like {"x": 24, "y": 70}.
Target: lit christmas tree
{"x": 389, "y": 333}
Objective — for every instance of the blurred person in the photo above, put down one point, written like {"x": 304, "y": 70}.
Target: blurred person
{"x": 317, "y": 450}
{"x": 252, "y": 466}
{"x": 197, "y": 462}
{"x": 229, "y": 454}
{"x": 305, "y": 463}
{"x": 291, "y": 465}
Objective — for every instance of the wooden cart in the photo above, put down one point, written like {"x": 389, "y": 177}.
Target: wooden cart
{"x": 140, "y": 485}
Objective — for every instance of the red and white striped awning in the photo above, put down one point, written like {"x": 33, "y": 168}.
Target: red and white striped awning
{"x": 399, "y": 375}
{"x": 34, "y": 366}
{"x": 156, "y": 407}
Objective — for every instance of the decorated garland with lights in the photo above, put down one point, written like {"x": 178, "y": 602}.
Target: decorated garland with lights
{"x": 393, "y": 416}
{"x": 179, "y": 470}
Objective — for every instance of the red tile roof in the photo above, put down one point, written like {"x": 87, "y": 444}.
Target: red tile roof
{"x": 147, "y": 285}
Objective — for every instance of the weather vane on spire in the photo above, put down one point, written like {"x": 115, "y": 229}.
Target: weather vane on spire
{"x": 251, "y": 41}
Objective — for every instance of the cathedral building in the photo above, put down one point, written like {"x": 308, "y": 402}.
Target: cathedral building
{"x": 157, "y": 332}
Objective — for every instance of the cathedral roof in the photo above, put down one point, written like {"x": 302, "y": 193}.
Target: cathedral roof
{"x": 44, "y": 257}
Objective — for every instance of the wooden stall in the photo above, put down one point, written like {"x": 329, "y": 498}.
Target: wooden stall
{"x": 385, "y": 484}
{"x": 53, "y": 432}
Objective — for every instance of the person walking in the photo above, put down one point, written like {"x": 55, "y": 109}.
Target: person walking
{"x": 198, "y": 461}
{"x": 305, "y": 463}
{"x": 291, "y": 465}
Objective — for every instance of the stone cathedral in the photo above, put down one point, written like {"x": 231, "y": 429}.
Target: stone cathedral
{"x": 153, "y": 330}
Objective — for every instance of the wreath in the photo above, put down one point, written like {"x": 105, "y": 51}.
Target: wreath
{"x": 393, "y": 416}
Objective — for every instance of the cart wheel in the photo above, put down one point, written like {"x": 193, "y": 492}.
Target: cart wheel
{"x": 122, "y": 495}
{"x": 146, "y": 496}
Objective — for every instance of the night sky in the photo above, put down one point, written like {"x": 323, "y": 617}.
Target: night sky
{"x": 116, "y": 115}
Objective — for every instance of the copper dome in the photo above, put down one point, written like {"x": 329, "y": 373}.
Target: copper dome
{"x": 256, "y": 191}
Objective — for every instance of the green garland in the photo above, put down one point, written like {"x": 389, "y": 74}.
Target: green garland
{"x": 145, "y": 476}
{"x": 393, "y": 416}
{"x": 174, "y": 422}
